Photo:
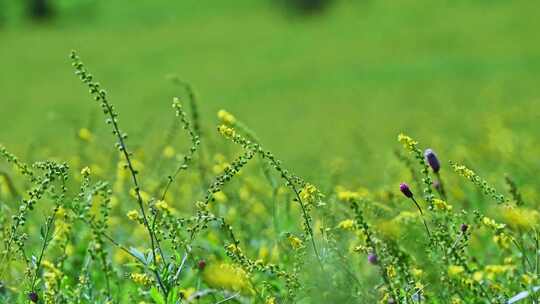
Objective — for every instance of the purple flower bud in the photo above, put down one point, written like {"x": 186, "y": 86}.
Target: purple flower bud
{"x": 372, "y": 258}
{"x": 405, "y": 190}
{"x": 33, "y": 296}
{"x": 464, "y": 228}
{"x": 432, "y": 160}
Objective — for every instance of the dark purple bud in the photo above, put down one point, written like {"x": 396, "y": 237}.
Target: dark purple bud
{"x": 201, "y": 264}
{"x": 464, "y": 228}
{"x": 33, "y": 296}
{"x": 432, "y": 160}
{"x": 372, "y": 258}
{"x": 405, "y": 190}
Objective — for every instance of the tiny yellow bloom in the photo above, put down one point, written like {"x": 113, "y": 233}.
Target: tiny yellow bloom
{"x": 226, "y": 117}
{"x": 86, "y": 171}
{"x": 346, "y": 224}
{"x": 85, "y": 135}
{"x": 295, "y": 242}
{"x": 168, "y": 152}
{"x": 226, "y": 131}
{"x": 133, "y": 215}
{"x": 140, "y": 278}
{"x": 162, "y": 205}
{"x": 455, "y": 270}
{"x": 442, "y": 205}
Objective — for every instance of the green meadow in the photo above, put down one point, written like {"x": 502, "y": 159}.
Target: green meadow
{"x": 314, "y": 103}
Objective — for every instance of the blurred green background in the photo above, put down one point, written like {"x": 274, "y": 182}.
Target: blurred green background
{"x": 340, "y": 82}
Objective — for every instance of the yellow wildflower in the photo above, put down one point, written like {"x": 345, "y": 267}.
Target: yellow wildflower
{"x": 492, "y": 224}
{"x": 348, "y": 196}
{"x": 187, "y": 292}
{"x": 309, "y": 193}
{"x": 85, "y": 171}
{"x": 227, "y": 276}
{"x": 140, "y": 278}
{"x": 162, "y": 205}
{"x": 442, "y": 205}
{"x": 520, "y": 218}
{"x": 220, "y": 197}
{"x": 226, "y": 131}
{"x": 417, "y": 272}
{"x": 455, "y": 270}
{"x": 391, "y": 271}
{"x": 478, "y": 276}
{"x": 85, "y": 135}
{"x": 226, "y": 117}
{"x": 133, "y": 215}
{"x": 295, "y": 242}
{"x": 503, "y": 240}
{"x": 527, "y": 279}
{"x": 346, "y": 224}
{"x": 270, "y": 300}
{"x": 455, "y": 300}
{"x": 407, "y": 142}
{"x": 168, "y": 152}
{"x": 493, "y": 271}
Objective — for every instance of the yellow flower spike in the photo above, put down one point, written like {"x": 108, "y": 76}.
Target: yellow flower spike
{"x": 295, "y": 242}
{"x": 141, "y": 279}
{"x": 85, "y": 135}
{"x": 226, "y": 117}
{"x": 226, "y": 131}
{"x": 391, "y": 271}
{"x": 492, "y": 224}
{"x": 309, "y": 193}
{"x": 407, "y": 142}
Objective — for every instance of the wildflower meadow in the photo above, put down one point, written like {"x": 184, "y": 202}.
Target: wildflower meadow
{"x": 273, "y": 152}
{"x": 225, "y": 220}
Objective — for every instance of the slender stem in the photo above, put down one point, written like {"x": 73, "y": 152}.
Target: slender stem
{"x": 441, "y": 190}
{"x": 422, "y": 216}
{"x": 133, "y": 173}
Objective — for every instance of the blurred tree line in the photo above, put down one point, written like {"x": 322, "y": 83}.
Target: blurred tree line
{"x": 42, "y": 10}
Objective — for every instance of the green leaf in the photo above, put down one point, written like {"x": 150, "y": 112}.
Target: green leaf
{"x": 157, "y": 296}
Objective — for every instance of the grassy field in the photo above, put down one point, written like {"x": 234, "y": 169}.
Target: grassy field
{"x": 445, "y": 72}
{"x": 327, "y": 94}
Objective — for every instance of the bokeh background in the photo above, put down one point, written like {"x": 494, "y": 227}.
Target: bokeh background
{"x": 316, "y": 80}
